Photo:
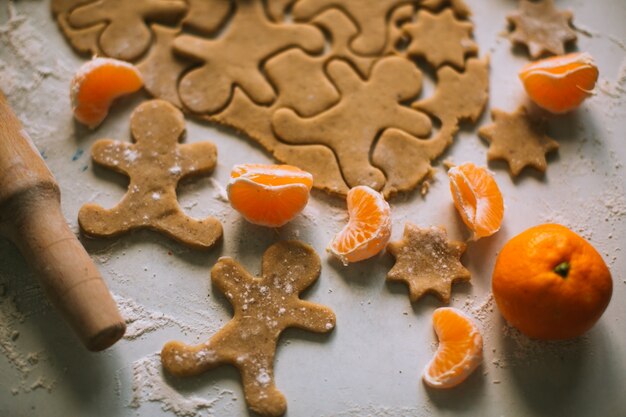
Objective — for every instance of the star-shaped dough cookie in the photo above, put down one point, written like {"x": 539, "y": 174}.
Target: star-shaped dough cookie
{"x": 427, "y": 261}
{"x": 441, "y": 38}
{"x": 519, "y": 139}
{"x": 541, "y": 27}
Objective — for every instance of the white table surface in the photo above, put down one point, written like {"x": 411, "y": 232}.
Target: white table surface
{"x": 371, "y": 363}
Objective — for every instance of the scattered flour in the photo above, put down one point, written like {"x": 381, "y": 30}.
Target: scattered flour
{"x": 140, "y": 321}
{"x": 25, "y": 363}
{"x": 149, "y": 384}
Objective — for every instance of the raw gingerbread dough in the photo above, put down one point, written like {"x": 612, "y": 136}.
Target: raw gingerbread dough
{"x": 541, "y": 27}
{"x": 126, "y": 35}
{"x": 459, "y": 7}
{"x": 155, "y": 163}
{"x": 263, "y": 308}
{"x": 370, "y": 16}
{"x": 459, "y": 95}
{"x": 427, "y": 262}
{"x": 366, "y": 109}
{"x": 235, "y": 58}
{"x": 241, "y": 63}
{"x": 519, "y": 139}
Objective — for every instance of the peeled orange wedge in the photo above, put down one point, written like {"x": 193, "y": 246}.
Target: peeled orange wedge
{"x": 559, "y": 84}
{"x": 460, "y": 349}
{"x": 368, "y": 229}
{"x": 477, "y": 198}
{"x": 269, "y": 195}
{"x": 97, "y": 83}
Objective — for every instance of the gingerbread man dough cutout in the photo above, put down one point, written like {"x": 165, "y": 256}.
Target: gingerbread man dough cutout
{"x": 126, "y": 35}
{"x": 236, "y": 58}
{"x": 263, "y": 308}
{"x": 364, "y": 112}
{"x": 155, "y": 163}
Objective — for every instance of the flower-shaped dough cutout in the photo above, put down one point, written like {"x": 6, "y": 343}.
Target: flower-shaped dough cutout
{"x": 459, "y": 95}
{"x": 370, "y": 16}
{"x": 365, "y": 110}
{"x": 263, "y": 308}
{"x": 126, "y": 35}
{"x": 440, "y": 38}
{"x": 427, "y": 262}
{"x": 155, "y": 163}
{"x": 235, "y": 58}
{"x": 519, "y": 139}
{"x": 541, "y": 27}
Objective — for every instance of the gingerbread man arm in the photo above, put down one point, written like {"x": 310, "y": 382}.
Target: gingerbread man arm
{"x": 344, "y": 77}
{"x": 114, "y": 154}
{"x": 231, "y": 279}
{"x": 196, "y": 159}
{"x": 313, "y": 317}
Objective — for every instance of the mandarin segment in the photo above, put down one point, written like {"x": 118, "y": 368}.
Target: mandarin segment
{"x": 550, "y": 283}
{"x": 368, "y": 229}
{"x": 459, "y": 352}
{"x": 561, "y": 83}
{"x": 477, "y": 198}
{"x": 97, "y": 83}
{"x": 269, "y": 195}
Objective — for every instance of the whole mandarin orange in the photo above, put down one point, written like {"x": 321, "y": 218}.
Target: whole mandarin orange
{"x": 550, "y": 283}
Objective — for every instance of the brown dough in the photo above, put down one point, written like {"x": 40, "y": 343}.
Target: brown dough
{"x": 161, "y": 68}
{"x": 541, "y": 27}
{"x": 245, "y": 62}
{"x": 459, "y": 95}
{"x": 236, "y": 56}
{"x": 440, "y": 38}
{"x": 126, "y": 35}
{"x": 518, "y": 139}
{"x": 427, "y": 262}
{"x": 207, "y": 16}
{"x": 365, "y": 110}
{"x": 155, "y": 163}
{"x": 370, "y": 16}
{"x": 405, "y": 159}
{"x": 459, "y": 7}
{"x": 263, "y": 308}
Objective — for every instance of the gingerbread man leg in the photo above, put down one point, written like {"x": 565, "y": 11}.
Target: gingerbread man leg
{"x": 257, "y": 376}
{"x": 97, "y": 221}
{"x": 186, "y": 360}
{"x": 201, "y": 234}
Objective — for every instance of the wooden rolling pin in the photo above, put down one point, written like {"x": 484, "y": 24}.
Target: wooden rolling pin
{"x": 30, "y": 216}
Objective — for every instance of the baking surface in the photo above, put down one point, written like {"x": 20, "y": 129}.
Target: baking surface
{"x": 371, "y": 363}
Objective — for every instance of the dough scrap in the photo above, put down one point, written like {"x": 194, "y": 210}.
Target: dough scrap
{"x": 427, "y": 262}
{"x": 236, "y": 57}
{"x": 155, "y": 163}
{"x": 126, "y": 34}
{"x": 541, "y": 27}
{"x": 263, "y": 307}
{"x": 366, "y": 109}
{"x": 459, "y": 95}
{"x": 440, "y": 38}
{"x": 519, "y": 139}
